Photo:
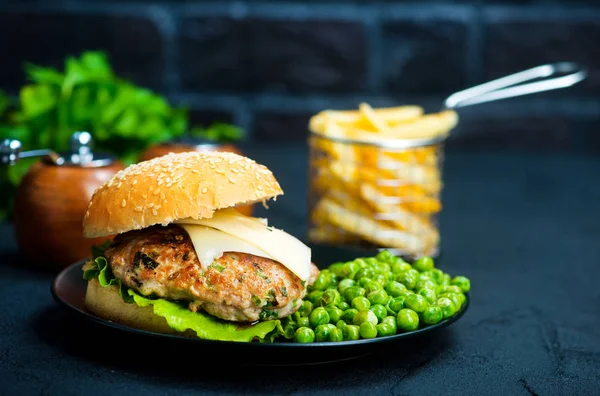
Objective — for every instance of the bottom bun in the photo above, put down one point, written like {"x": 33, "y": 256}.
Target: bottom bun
{"x": 105, "y": 302}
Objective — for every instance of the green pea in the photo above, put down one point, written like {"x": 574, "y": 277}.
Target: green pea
{"x": 446, "y": 280}
{"x": 385, "y": 329}
{"x": 318, "y": 316}
{"x": 379, "y": 311}
{"x": 322, "y": 332}
{"x": 416, "y": 302}
{"x": 448, "y": 289}
{"x": 304, "y": 335}
{"x": 349, "y": 315}
{"x": 462, "y": 282}
{"x": 341, "y": 324}
{"x": 381, "y": 279}
{"x": 394, "y": 288}
{"x": 395, "y": 305}
{"x": 336, "y": 335}
{"x": 344, "y": 284}
{"x": 373, "y": 286}
{"x": 367, "y": 330}
{"x": 315, "y": 297}
{"x": 343, "y": 305}
{"x": 432, "y": 315}
{"x": 335, "y": 314}
{"x": 365, "y": 272}
{"x": 322, "y": 281}
{"x": 361, "y": 303}
{"x": 365, "y": 316}
{"x": 380, "y": 267}
{"x": 371, "y": 261}
{"x": 400, "y": 266}
{"x": 427, "y": 276}
{"x": 363, "y": 282}
{"x": 352, "y": 292}
{"x": 337, "y": 269}
{"x": 384, "y": 256}
{"x": 447, "y": 306}
{"x": 351, "y": 333}
{"x": 350, "y": 269}
{"x": 330, "y": 297}
{"x": 306, "y": 308}
{"x": 408, "y": 278}
{"x": 423, "y": 264}
{"x": 407, "y": 320}
{"x": 378, "y": 297}
{"x": 437, "y": 274}
{"x": 454, "y": 298}
{"x": 429, "y": 295}
{"x": 303, "y": 322}
{"x": 391, "y": 320}
{"x": 461, "y": 298}
{"x": 425, "y": 284}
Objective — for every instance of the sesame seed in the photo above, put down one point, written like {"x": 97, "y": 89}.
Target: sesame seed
{"x": 219, "y": 171}
{"x": 156, "y": 192}
{"x": 144, "y": 196}
{"x": 231, "y": 180}
{"x": 204, "y": 190}
{"x": 134, "y": 182}
{"x": 235, "y": 170}
{"x": 124, "y": 203}
{"x": 157, "y": 207}
{"x": 162, "y": 196}
{"x": 119, "y": 185}
{"x": 150, "y": 204}
{"x": 169, "y": 185}
{"x": 259, "y": 188}
{"x": 154, "y": 212}
{"x": 194, "y": 171}
{"x": 138, "y": 208}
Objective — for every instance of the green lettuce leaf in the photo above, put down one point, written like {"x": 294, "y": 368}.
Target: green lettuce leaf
{"x": 178, "y": 316}
{"x": 208, "y": 327}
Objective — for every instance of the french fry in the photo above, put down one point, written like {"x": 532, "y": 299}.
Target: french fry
{"x": 374, "y": 121}
{"x": 353, "y": 118}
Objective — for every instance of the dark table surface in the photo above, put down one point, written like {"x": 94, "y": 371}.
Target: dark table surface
{"x": 523, "y": 227}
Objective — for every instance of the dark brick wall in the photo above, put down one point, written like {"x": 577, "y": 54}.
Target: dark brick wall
{"x": 268, "y": 65}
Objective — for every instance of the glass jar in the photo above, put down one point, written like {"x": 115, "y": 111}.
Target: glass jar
{"x": 383, "y": 194}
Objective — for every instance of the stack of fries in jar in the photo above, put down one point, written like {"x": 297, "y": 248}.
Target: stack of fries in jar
{"x": 375, "y": 177}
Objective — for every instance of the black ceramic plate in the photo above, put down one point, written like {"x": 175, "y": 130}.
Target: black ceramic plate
{"x": 69, "y": 288}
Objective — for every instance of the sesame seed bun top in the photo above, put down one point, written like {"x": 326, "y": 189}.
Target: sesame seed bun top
{"x": 176, "y": 186}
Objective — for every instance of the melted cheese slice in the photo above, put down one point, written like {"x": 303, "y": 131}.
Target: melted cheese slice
{"x": 230, "y": 231}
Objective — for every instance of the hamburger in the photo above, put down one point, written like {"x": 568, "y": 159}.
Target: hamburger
{"x": 181, "y": 258}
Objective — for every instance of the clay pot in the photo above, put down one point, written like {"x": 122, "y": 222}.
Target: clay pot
{"x": 50, "y": 203}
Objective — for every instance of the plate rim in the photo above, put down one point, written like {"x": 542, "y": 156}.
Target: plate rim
{"x": 276, "y": 344}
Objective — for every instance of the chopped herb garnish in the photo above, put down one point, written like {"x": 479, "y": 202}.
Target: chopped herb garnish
{"x": 283, "y": 291}
{"x": 262, "y": 275}
{"x": 256, "y": 300}
{"x": 270, "y": 229}
{"x": 271, "y": 299}
{"x": 266, "y": 314}
{"x": 141, "y": 258}
{"x": 218, "y": 267}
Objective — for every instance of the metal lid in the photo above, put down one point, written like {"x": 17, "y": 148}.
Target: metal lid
{"x": 81, "y": 153}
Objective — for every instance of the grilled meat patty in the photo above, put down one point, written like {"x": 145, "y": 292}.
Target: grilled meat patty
{"x": 161, "y": 261}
